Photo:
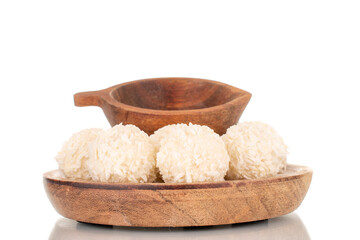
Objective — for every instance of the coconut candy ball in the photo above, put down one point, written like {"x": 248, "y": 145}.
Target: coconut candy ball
{"x": 75, "y": 153}
{"x": 123, "y": 153}
{"x": 255, "y": 150}
{"x": 190, "y": 153}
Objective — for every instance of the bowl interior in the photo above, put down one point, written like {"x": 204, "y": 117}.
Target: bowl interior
{"x": 175, "y": 93}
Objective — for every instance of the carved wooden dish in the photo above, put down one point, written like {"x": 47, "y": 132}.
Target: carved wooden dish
{"x": 153, "y": 103}
{"x": 178, "y": 205}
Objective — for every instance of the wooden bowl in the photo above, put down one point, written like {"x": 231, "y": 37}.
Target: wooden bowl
{"x": 153, "y": 103}
{"x": 178, "y": 205}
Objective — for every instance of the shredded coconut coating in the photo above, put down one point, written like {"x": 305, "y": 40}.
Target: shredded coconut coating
{"x": 189, "y": 154}
{"x": 123, "y": 153}
{"x": 75, "y": 153}
{"x": 256, "y": 151}
{"x": 165, "y": 133}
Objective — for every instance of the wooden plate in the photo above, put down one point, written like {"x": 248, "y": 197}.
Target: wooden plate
{"x": 178, "y": 205}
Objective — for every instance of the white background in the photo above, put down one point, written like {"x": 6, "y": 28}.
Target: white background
{"x": 299, "y": 59}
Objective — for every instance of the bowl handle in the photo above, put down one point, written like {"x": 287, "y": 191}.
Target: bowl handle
{"x": 84, "y": 99}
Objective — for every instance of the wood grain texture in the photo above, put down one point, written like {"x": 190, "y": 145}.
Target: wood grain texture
{"x": 177, "y": 205}
{"x": 153, "y": 103}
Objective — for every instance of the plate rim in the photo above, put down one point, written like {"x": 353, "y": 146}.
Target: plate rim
{"x": 293, "y": 171}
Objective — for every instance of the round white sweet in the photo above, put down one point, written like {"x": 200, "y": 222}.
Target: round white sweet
{"x": 75, "y": 153}
{"x": 191, "y": 153}
{"x": 123, "y": 153}
{"x": 255, "y": 150}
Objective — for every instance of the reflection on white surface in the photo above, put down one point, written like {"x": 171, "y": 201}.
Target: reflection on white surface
{"x": 285, "y": 227}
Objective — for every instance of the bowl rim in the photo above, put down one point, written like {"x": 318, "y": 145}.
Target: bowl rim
{"x": 292, "y": 171}
{"x": 108, "y": 97}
